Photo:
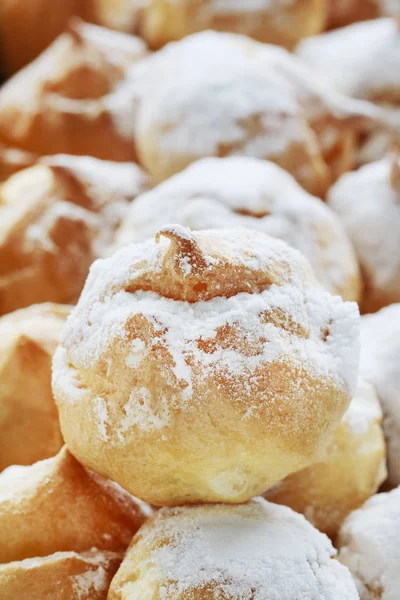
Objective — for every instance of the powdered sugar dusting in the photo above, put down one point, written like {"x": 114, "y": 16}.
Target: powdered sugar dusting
{"x": 364, "y": 409}
{"x": 369, "y": 547}
{"x": 319, "y": 332}
{"x": 258, "y": 550}
{"x": 244, "y": 191}
{"x": 380, "y": 364}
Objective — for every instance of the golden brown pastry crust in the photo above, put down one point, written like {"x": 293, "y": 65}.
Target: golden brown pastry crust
{"x": 55, "y": 219}
{"x": 279, "y": 22}
{"x": 13, "y": 160}
{"x": 56, "y": 505}
{"x": 61, "y": 576}
{"x": 344, "y": 12}
{"x": 248, "y": 99}
{"x": 327, "y": 492}
{"x": 63, "y": 101}
{"x": 29, "y": 427}
{"x": 180, "y": 375}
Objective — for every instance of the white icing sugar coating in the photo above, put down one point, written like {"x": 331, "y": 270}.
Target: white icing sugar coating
{"x": 369, "y": 547}
{"x": 257, "y": 550}
{"x": 361, "y": 60}
{"x": 364, "y": 409}
{"x": 380, "y": 364}
{"x": 247, "y": 192}
{"x": 368, "y": 204}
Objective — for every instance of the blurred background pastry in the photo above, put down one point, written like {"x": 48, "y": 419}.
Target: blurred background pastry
{"x": 353, "y": 470}
{"x": 204, "y": 366}
{"x": 62, "y": 524}
{"x": 369, "y": 547}
{"x": 219, "y": 94}
{"x": 246, "y": 192}
{"x": 55, "y": 219}
{"x": 29, "y": 427}
{"x": 368, "y": 204}
{"x": 363, "y": 61}
{"x": 66, "y": 101}
{"x": 256, "y": 550}
{"x": 380, "y": 364}
{"x": 280, "y": 22}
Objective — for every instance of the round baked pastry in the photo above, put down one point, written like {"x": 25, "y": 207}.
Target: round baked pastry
{"x": 68, "y": 99}
{"x": 55, "y": 219}
{"x": 247, "y": 192}
{"x": 61, "y": 576}
{"x": 344, "y": 12}
{"x": 204, "y": 366}
{"x": 369, "y": 547}
{"x": 368, "y": 204}
{"x": 363, "y": 61}
{"x": 29, "y": 427}
{"x": 61, "y": 524}
{"x": 353, "y": 470}
{"x": 255, "y": 550}
{"x": 380, "y": 364}
{"x": 245, "y": 98}
{"x": 277, "y": 22}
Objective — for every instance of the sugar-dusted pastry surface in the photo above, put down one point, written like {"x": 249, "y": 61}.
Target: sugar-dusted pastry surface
{"x": 245, "y": 98}
{"x": 380, "y": 360}
{"x": 204, "y": 366}
{"x": 55, "y": 219}
{"x": 258, "y": 550}
{"x": 352, "y": 471}
{"x": 247, "y": 192}
{"x": 367, "y": 202}
{"x": 369, "y": 546}
{"x": 68, "y": 100}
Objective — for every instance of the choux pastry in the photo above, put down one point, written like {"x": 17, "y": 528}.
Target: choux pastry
{"x": 220, "y": 94}
{"x": 68, "y": 100}
{"x": 217, "y": 552}
{"x": 56, "y": 505}
{"x": 29, "y": 427}
{"x": 344, "y": 12}
{"x": 247, "y": 192}
{"x": 369, "y": 547}
{"x": 353, "y": 470}
{"x": 279, "y": 22}
{"x": 55, "y": 219}
{"x": 63, "y": 530}
{"x": 13, "y": 160}
{"x": 368, "y": 204}
{"x": 363, "y": 61}
{"x": 380, "y": 364}
{"x": 204, "y": 366}
{"x": 60, "y": 576}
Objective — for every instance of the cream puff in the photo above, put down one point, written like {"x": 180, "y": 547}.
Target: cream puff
{"x": 352, "y": 471}
{"x": 204, "y": 366}
{"x": 367, "y": 202}
{"x": 369, "y": 546}
{"x": 55, "y": 219}
{"x": 68, "y": 100}
{"x": 218, "y": 552}
{"x": 63, "y": 530}
{"x": 380, "y": 364}
{"x": 219, "y": 94}
{"x": 247, "y": 192}
{"x": 29, "y": 427}
{"x": 279, "y": 22}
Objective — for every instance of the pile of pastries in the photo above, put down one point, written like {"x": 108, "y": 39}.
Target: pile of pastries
{"x": 198, "y": 200}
